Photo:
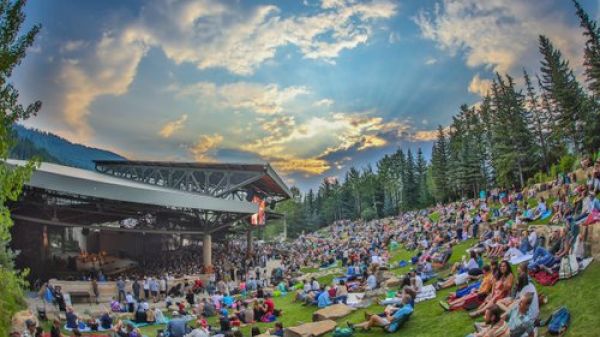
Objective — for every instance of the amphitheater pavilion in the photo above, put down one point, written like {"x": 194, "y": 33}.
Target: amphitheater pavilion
{"x": 124, "y": 204}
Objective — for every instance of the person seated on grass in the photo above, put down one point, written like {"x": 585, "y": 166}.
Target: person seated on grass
{"x": 122, "y": 329}
{"x": 523, "y": 288}
{"x": 513, "y": 252}
{"x": 140, "y": 314}
{"x": 467, "y": 271}
{"x": 115, "y": 306}
{"x": 425, "y": 270}
{"x": 387, "y": 318}
{"x": 246, "y": 314}
{"x": 341, "y": 292}
{"x": 200, "y": 331}
{"x": 55, "y": 329}
{"x": 494, "y": 326}
{"x": 371, "y": 283}
{"x": 323, "y": 299}
{"x": 549, "y": 260}
{"x": 502, "y": 288}
{"x": 72, "y": 319}
{"x": 518, "y": 318}
{"x": 441, "y": 258}
{"x": 177, "y": 326}
{"x": 105, "y": 320}
{"x": 159, "y": 317}
{"x": 476, "y": 295}
{"x": 277, "y": 331}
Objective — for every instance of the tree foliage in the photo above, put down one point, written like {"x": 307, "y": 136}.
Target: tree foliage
{"x": 12, "y": 51}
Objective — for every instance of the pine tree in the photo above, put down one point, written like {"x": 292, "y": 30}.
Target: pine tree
{"x": 439, "y": 167}
{"x": 560, "y": 82}
{"x": 537, "y": 122}
{"x": 592, "y": 49}
{"x": 421, "y": 170}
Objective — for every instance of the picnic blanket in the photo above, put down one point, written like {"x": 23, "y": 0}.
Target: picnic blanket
{"x": 585, "y": 263}
{"x": 357, "y": 300}
{"x": 520, "y": 259}
{"x": 544, "y": 278}
{"x": 427, "y": 292}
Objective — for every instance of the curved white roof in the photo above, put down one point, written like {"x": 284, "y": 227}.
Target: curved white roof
{"x": 72, "y": 180}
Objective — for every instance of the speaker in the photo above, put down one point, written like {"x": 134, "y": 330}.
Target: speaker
{"x": 272, "y": 204}
{"x": 85, "y": 231}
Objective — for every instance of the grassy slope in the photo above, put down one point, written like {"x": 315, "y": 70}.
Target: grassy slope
{"x": 579, "y": 294}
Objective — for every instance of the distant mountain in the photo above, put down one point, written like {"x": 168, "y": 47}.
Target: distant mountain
{"x": 52, "y": 148}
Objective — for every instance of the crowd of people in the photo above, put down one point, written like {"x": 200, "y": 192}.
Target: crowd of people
{"x": 493, "y": 280}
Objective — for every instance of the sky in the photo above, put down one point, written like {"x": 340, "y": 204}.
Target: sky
{"x": 313, "y": 87}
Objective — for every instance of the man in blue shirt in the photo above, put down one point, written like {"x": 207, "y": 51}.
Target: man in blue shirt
{"x": 389, "y": 317}
{"x": 323, "y": 299}
{"x": 177, "y": 326}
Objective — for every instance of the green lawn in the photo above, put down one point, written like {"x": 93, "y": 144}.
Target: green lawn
{"x": 580, "y": 294}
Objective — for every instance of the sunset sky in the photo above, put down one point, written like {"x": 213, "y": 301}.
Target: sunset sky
{"x": 311, "y": 86}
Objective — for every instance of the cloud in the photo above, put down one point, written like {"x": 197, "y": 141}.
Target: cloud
{"x": 108, "y": 69}
{"x": 264, "y": 99}
{"x": 309, "y": 166}
{"x": 424, "y": 135}
{"x": 430, "y": 61}
{"x": 72, "y": 45}
{"x": 480, "y": 86}
{"x": 205, "y": 144}
{"x": 393, "y": 38}
{"x": 325, "y": 102}
{"x": 499, "y": 34}
{"x": 306, "y": 146}
{"x": 210, "y": 34}
{"x": 170, "y": 127}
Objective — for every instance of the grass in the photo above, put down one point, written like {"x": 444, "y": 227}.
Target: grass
{"x": 580, "y": 295}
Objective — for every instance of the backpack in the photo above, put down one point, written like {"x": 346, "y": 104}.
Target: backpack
{"x": 559, "y": 321}
{"x": 569, "y": 267}
{"x": 343, "y": 332}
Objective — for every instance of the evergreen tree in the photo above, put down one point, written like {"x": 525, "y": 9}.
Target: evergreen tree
{"x": 591, "y": 51}
{"x": 564, "y": 90}
{"x": 439, "y": 167}
{"x": 13, "y": 47}
{"x": 538, "y": 123}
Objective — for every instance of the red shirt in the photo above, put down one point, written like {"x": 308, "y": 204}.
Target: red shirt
{"x": 270, "y": 305}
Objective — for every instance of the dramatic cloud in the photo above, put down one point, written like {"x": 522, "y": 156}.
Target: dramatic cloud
{"x": 499, "y": 34}
{"x": 210, "y": 34}
{"x": 107, "y": 69}
{"x": 205, "y": 144}
{"x": 170, "y": 127}
{"x": 266, "y": 99}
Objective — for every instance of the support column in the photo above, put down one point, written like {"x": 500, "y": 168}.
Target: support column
{"x": 284, "y": 227}
{"x": 249, "y": 242}
{"x": 207, "y": 253}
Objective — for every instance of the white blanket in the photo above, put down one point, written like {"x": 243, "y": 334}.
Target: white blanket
{"x": 521, "y": 259}
{"x": 427, "y": 292}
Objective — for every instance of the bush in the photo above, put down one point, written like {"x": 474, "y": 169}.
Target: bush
{"x": 566, "y": 163}
{"x": 368, "y": 214}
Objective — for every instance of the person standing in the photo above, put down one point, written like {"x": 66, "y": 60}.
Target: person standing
{"x": 95, "y": 289}
{"x": 146, "y": 285}
{"x": 136, "y": 289}
{"x": 121, "y": 288}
